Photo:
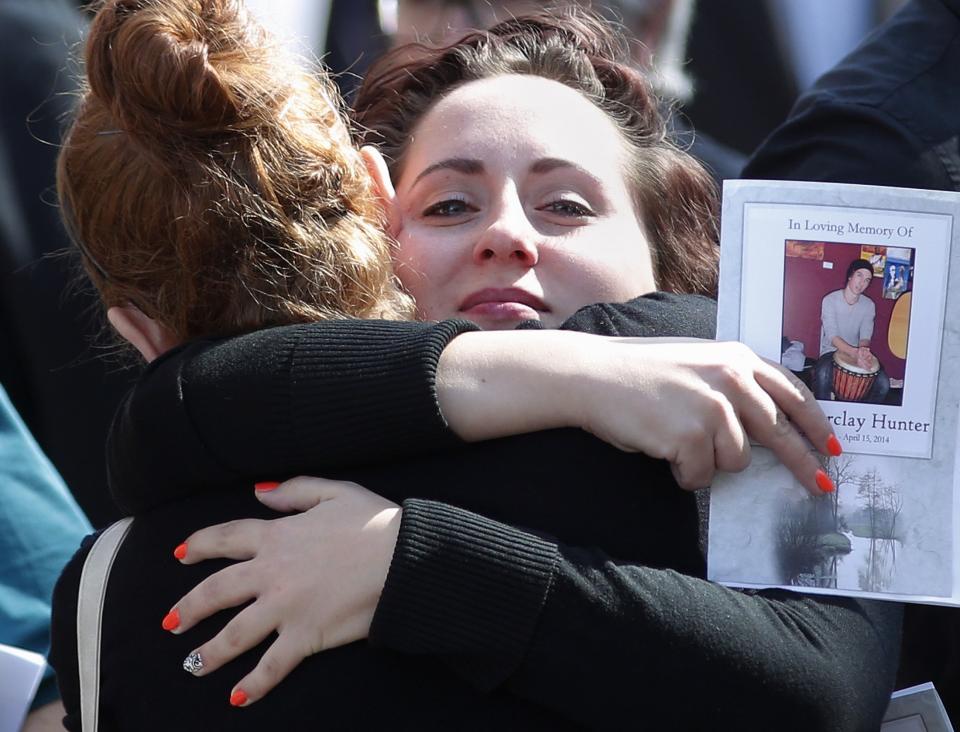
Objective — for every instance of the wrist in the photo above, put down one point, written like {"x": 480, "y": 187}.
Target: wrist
{"x": 386, "y": 526}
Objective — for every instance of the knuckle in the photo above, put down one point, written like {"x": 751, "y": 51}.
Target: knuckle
{"x": 191, "y": 608}
{"x": 320, "y": 642}
{"x": 244, "y": 527}
{"x": 685, "y": 484}
{"x": 741, "y": 461}
{"x": 737, "y": 351}
{"x": 270, "y": 669}
{"x": 679, "y": 475}
{"x": 212, "y": 659}
{"x": 701, "y": 479}
{"x": 226, "y": 536}
{"x": 781, "y": 428}
{"x": 210, "y": 589}
{"x": 715, "y": 408}
{"x": 731, "y": 374}
{"x": 233, "y": 636}
{"x": 692, "y": 474}
{"x": 725, "y": 376}
{"x": 803, "y": 392}
{"x": 687, "y": 476}
{"x": 782, "y": 423}
{"x": 694, "y": 433}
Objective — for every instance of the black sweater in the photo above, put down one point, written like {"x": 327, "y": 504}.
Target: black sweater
{"x": 539, "y": 634}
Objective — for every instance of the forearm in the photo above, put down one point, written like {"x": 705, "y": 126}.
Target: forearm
{"x": 496, "y": 384}
{"x": 311, "y": 398}
{"x": 845, "y": 348}
{"x": 601, "y": 641}
{"x": 484, "y": 616}
{"x": 276, "y": 403}
{"x": 768, "y": 660}
{"x": 336, "y": 393}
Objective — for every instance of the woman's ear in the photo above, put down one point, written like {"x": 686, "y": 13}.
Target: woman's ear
{"x": 377, "y": 167}
{"x": 151, "y": 337}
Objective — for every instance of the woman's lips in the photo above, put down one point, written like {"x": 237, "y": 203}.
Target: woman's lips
{"x": 503, "y": 304}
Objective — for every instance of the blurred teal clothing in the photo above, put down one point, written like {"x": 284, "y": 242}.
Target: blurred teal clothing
{"x": 41, "y": 527}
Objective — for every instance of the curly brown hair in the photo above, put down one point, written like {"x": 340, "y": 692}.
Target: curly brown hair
{"x": 212, "y": 182}
{"x": 674, "y": 196}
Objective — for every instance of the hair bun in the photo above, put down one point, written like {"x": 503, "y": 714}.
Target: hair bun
{"x": 165, "y": 66}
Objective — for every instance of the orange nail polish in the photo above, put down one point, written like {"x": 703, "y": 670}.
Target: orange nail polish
{"x": 171, "y": 621}
{"x": 181, "y": 551}
{"x": 266, "y": 485}
{"x": 824, "y": 483}
{"x": 238, "y": 698}
{"x": 834, "y": 448}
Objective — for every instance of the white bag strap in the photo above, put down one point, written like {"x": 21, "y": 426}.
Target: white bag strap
{"x": 93, "y": 591}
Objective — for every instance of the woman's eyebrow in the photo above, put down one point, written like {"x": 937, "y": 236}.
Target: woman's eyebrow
{"x": 546, "y": 165}
{"x": 467, "y": 166}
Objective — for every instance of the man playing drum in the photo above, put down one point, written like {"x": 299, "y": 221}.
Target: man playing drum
{"x": 846, "y": 369}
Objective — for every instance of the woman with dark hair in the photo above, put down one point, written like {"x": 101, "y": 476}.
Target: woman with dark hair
{"x": 360, "y": 399}
{"x": 671, "y": 192}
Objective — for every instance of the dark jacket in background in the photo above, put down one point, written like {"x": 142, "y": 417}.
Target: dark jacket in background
{"x": 744, "y": 83}
{"x": 888, "y": 115}
{"x": 64, "y": 391}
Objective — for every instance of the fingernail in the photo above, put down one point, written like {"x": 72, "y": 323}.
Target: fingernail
{"x": 238, "y": 698}
{"x": 824, "y": 483}
{"x": 266, "y": 485}
{"x": 181, "y": 551}
{"x": 834, "y": 448}
{"x": 171, "y": 621}
{"x": 193, "y": 664}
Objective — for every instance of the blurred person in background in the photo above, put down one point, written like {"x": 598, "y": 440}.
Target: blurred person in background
{"x": 65, "y": 393}
{"x": 45, "y": 360}
{"x": 40, "y": 527}
{"x": 658, "y": 28}
{"x": 751, "y": 55}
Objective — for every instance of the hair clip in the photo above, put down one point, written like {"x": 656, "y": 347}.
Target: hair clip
{"x": 88, "y": 255}
{"x": 109, "y": 132}
{"x": 66, "y": 213}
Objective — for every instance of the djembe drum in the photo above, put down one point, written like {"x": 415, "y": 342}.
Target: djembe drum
{"x": 851, "y": 382}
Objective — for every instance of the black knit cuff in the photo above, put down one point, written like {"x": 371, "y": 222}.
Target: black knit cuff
{"x": 393, "y": 364}
{"x": 466, "y": 588}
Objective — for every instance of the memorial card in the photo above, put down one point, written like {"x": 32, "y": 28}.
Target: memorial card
{"x": 856, "y": 289}
{"x": 20, "y": 675}
{"x": 917, "y": 709}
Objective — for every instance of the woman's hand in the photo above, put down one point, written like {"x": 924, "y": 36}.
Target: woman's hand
{"x": 315, "y": 578}
{"x": 694, "y": 403}
{"x": 699, "y": 405}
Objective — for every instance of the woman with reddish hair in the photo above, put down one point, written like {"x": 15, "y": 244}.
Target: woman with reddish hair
{"x": 500, "y": 216}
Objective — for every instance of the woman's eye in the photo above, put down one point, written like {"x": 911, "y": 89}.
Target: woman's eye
{"x": 568, "y": 208}
{"x": 449, "y": 207}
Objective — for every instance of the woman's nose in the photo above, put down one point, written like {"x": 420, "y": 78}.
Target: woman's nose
{"x": 510, "y": 238}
